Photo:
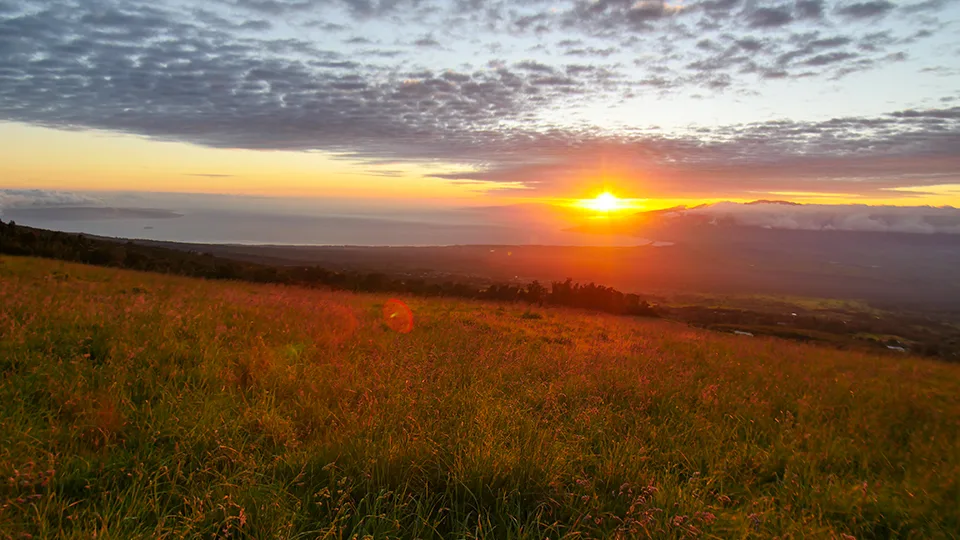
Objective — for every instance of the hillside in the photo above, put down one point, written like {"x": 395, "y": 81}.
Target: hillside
{"x": 143, "y": 405}
{"x": 831, "y": 320}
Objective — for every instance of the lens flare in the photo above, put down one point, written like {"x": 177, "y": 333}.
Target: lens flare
{"x": 398, "y": 316}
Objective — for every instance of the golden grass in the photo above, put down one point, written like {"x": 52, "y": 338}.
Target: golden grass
{"x": 140, "y": 405}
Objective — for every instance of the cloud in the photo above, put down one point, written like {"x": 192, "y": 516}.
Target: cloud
{"x": 41, "y": 198}
{"x": 828, "y": 58}
{"x": 809, "y": 9}
{"x": 770, "y": 17}
{"x": 326, "y": 26}
{"x": 386, "y": 173}
{"x": 826, "y": 217}
{"x": 591, "y": 51}
{"x": 917, "y": 147}
{"x": 427, "y": 41}
{"x": 927, "y": 5}
{"x": 865, "y": 10}
{"x": 234, "y": 78}
{"x": 190, "y": 87}
{"x": 536, "y": 67}
{"x": 593, "y": 29}
{"x": 256, "y": 26}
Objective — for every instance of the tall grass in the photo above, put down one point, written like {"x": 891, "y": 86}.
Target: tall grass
{"x": 138, "y": 405}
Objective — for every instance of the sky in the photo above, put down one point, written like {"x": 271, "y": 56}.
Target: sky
{"x": 447, "y": 103}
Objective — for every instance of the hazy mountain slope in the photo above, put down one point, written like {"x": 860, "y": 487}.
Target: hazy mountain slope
{"x": 895, "y": 271}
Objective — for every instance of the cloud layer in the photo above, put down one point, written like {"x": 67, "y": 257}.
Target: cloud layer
{"x": 42, "y": 198}
{"x": 823, "y": 217}
{"x": 488, "y": 84}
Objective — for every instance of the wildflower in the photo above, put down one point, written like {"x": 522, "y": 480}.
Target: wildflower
{"x": 705, "y": 517}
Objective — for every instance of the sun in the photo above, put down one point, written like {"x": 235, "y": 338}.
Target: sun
{"x": 604, "y": 202}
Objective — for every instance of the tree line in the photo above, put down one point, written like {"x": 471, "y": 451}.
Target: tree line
{"x": 29, "y": 241}
{"x": 931, "y": 339}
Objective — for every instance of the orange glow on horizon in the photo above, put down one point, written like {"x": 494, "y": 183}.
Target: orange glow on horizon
{"x": 94, "y": 161}
{"x": 604, "y": 202}
{"x": 44, "y": 158}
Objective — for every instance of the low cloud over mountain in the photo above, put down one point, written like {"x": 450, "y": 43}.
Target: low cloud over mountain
{"x": 42, "y": 198}
{"x": 822, "y": 217}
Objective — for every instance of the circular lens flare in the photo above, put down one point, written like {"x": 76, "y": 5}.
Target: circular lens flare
{"x": 398, "y": 316}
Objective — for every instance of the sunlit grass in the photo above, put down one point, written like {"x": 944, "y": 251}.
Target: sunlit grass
{"x": 139, "y": 405}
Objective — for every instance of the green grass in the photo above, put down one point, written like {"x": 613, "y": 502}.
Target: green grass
{"x": 776, "y": 304}
{"x": 138, "y": 405}
{"x": 784, "y": 332}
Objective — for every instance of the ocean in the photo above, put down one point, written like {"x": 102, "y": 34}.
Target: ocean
{"x": 250, "y": 227}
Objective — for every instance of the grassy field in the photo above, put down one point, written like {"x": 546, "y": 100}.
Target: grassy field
{"x": 138, "y": 405}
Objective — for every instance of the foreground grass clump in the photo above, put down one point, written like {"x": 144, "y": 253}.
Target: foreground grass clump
{"x": 137, "y": 405}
